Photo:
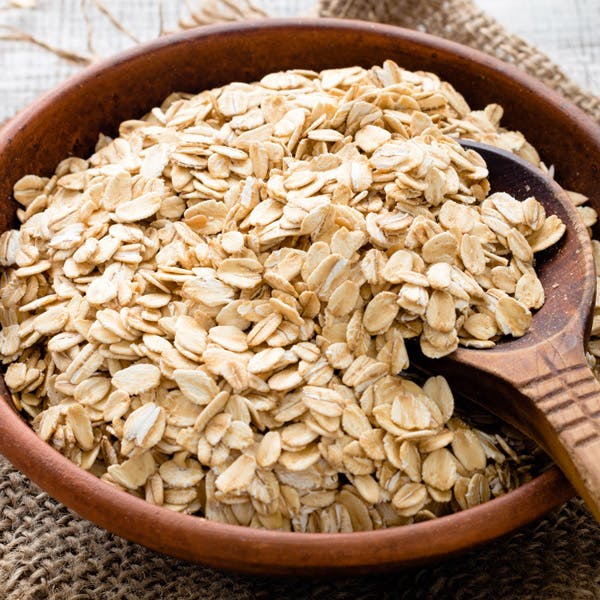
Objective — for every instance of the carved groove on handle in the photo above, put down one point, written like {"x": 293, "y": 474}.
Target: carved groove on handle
{"x": 554, "y": 385}
{"x": 564, "y": 425}
{"x": 555, "y": 407}
{"x": 552, "y": 373}
{"x": 586, "y": 441}
{"x": 569, "y": 397}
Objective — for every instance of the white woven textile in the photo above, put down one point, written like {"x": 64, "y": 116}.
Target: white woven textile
{"x": 566, "y": 29}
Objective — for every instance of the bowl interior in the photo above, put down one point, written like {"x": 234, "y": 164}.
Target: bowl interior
{"x": 67, "y": 121}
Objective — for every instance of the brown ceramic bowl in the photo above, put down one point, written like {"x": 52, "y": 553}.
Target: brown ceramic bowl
{"x": 67, "y": 121}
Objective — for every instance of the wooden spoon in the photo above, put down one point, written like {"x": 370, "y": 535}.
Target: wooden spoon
{"x": 541, "y": 382}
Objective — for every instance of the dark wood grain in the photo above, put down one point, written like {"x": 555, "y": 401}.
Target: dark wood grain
{"x": 68, "y": 120}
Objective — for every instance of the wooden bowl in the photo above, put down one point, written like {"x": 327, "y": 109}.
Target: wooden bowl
{"x": 67, "y": 121}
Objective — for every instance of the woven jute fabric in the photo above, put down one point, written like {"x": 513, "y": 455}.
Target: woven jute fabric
{"x": 461, "y": 21}
{"x": 47, "y": 552}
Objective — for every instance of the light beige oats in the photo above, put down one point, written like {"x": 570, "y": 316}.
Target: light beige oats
{"x": 211, "y": 311}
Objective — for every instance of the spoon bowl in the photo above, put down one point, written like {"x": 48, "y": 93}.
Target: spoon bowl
{"x": 541, "y": 382}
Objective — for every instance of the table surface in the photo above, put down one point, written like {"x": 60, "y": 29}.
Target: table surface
{"x": 567, "y": 30}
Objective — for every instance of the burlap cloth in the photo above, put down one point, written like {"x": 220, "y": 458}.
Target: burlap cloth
{"x": 48, "y": 552}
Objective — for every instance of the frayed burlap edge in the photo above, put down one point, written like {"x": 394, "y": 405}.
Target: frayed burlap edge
{"x": 461, "y": 21}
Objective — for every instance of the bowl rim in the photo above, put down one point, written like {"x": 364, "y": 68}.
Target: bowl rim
{"x": 242, "y": 548}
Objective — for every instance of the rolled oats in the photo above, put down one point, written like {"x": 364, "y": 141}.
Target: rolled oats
{"x": 211, "y": 311}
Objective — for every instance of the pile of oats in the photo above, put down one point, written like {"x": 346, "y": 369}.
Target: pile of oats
{"x": 211, "y": 311}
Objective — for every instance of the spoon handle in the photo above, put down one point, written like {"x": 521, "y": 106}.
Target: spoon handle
{"x": 567, "y": 393}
